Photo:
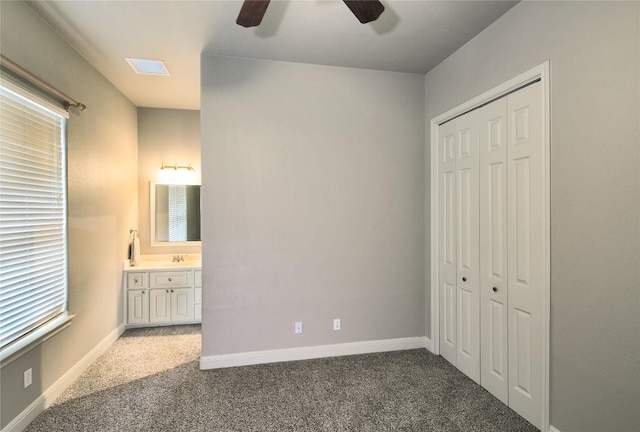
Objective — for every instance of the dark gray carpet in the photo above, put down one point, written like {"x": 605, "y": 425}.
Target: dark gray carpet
{"x": 149, "y": 381}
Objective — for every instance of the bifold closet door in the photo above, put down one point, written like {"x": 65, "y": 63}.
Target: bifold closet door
{"x": 459, "y": 261}
{"x": 447, "y": 241}
{"x": 526, "y": 233}
{"x": 511, "y": 250}
{"x": 494, "y": 370}
{"x": 467, "y": 269}
{"x": 491, "y": 253}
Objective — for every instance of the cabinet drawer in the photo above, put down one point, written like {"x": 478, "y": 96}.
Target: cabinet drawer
{"x": 170, "y": 279}
{"x": 137, "y": 280}
{"x": 198, "y": 278}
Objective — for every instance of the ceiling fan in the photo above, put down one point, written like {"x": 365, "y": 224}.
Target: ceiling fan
{"x": 252, "y": 11}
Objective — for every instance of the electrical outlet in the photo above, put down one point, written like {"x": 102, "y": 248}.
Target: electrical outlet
{"x": 28, "y": 377}
{"x": 336, "y": 324}
{"x": 298, "y": 328}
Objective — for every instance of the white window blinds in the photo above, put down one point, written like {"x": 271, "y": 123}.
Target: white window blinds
{"x": 33, "y": 259}
{"x": 177, "y": 213}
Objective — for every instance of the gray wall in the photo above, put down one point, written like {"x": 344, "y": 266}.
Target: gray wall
{"x": 102, "y": 185}
{"x": 165, "y": 136}
{"x": 313, "y": 204}
{"x": 595, "y": 198}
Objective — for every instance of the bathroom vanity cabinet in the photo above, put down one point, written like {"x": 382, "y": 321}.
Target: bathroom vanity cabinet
{"x": 162, "y": 296}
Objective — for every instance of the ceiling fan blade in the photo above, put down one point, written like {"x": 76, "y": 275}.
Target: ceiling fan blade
{"x": 365, "y": 10}
{"x": 252, "y": 12}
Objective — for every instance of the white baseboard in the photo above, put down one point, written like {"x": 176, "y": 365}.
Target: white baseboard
{"x": 45, "y": 400}
{"x": 305, "y": 353}
{"x": 552, "y": 429}
{"x": 427, "y": 344}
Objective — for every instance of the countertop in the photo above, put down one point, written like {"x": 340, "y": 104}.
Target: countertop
{"x": 164, "y": 262}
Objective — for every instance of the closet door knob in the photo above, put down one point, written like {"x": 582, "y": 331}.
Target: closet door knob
{"x": 464, "y": 279}
{"x": 495, "y": 289}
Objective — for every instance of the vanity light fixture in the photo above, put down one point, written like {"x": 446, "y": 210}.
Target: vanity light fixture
{"x": 177, "y": 167}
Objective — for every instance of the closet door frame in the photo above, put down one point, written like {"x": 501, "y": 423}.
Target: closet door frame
{"x": 541, "y": 73}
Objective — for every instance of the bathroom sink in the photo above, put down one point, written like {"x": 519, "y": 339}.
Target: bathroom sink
{"x": 184, "y": 264}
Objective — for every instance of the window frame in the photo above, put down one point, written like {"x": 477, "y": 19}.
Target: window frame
{"x": 56, "y": 323}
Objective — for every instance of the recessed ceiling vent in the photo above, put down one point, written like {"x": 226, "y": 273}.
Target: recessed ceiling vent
{"x": 148, "y": 67}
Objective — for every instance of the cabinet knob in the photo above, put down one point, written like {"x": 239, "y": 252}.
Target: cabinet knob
{"x": 166, "y": 291}
{"x": 171, "y": 290}
{"x": 495, "y": 289}
{"x": 464, "y": 279}
{"x": 169, "y": 279}
{"x": 142, "y": 292}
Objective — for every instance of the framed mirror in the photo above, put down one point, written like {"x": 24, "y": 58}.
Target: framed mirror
{"x": 175, "y": 214}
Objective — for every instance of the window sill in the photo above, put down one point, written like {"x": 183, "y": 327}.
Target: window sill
{"x": 33, "y": 339}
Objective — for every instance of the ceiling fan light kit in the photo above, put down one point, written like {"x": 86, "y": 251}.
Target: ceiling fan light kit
{"x": 253, "y": 11}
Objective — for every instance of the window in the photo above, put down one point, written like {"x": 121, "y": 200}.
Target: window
{"x": 33, "y": 254}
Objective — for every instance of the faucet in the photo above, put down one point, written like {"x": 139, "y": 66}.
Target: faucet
{"x": 178, "y": 258}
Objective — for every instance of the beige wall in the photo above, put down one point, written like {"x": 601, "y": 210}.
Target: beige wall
{"x": 594, "y": 52}
{"x": 102, "y": 188}
{"x": 165, "y": 136}
{"x": 312, "y": 202}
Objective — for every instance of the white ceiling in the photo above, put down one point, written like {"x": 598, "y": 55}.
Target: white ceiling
{"x": 410, "y": 36}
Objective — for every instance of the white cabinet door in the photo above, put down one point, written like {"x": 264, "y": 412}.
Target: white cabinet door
{"x": 181, "y": 304}
{"x": 492, "y": 123}
{"x": 137, "y": 307}
{"x": 526, "y": 232}
{"x": 159, "y": 305}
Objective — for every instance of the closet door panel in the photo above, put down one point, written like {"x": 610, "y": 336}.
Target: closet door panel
{"x": 521, "y": 176}
{"x": 467, "y": 271}
{"x": 492, "y": 123}
{"x": 447, "y": 241}
{"x": 525, "y": 242}
{"x": 450, "y": 314}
